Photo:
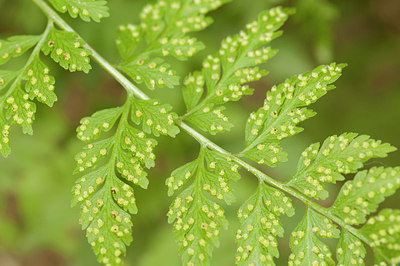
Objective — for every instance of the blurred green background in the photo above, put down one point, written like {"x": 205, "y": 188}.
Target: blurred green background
{"x": 37, "y": 225}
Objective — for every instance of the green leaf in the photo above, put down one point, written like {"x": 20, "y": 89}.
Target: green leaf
{"x": 155, "y": 118}
{"x": 180, "y": 176}
{"x": 130, "y": 167}
{"x": 219, "y": 175}
{"x": 222, "y": 165}
{"x": 212, "y": 120}
{"x": 181, "y": 48}
{"x": 162, "y": 32}
{"x": 86, "y": 9}
{"x": 128, "y": 39}
{"x": 198, "y": 219}
{"x": 283, "y": 109}
{"x": 40, "y": 84}
{"x": 85, "y": 187}
{"x": 337, "y": 156}
{"x": 227, "y": 72}
{"x": 154, "y": 73}
{"x": 4, "y": 137}
{"x": 101, "y": 121}
{"x": 350, "y": 250}
{"x": 16, "y": 46}
{"x": 307, "y": 248}
{"x": 222, "y": 88}
{"x": 259, "y": 218}
{"x": 135, "y": 142}
{"x": 66, "y": 49}
{"x": 383, "y": 230}
{"x": 176, "y": 18}
{"x": 6, "y": 76}
{"x": 361, "y": 196}
{"x": 214, "y": 171}
{"x": 270, "y": 153}
{"x": 198, "y": 222}
{"x": 233, "y": 66}
{"x": 108, "y": 226}
{"x": 29, "y": 82}
{"x": 19, "y": 110}
{"x": 193, "y": 89}
{"x": 92, "y": 153}
{"x": 110, "y": 168}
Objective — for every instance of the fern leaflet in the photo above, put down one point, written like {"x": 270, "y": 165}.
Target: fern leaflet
{"x": 338, "y": 155}
{"x": 372, "y": 187}
{"x": 350, "y": 250}
{"x": 162, "y": 32}
{"x": 225, "y": 73}
{"x": 283, "y": 109}
{"x": 33, "y": 81}
{"x": 384, "y": 232}
{"x": 256, "y": 238}
{"x": 111, "y": 167}
{"x": 198, "y": 218}
{"x": 305, "y": 244}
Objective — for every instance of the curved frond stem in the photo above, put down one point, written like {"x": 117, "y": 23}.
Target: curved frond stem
{"x": 133, "y": 90}
{"x": 269, "y": 180}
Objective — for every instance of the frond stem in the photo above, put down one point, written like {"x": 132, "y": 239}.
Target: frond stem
{"x": 133, "y": 90}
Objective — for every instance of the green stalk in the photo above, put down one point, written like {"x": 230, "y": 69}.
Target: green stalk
{"x": 133, "y": 90}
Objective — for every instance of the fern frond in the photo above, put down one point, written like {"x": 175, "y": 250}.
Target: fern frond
{"x": 66, "y": 49}
{"x": 118, "y": 151}
{"x": 284, "y": 108}
{"x": 350, "y": 250}
{"x": 30, "y": 81}
{"x": 33, "y": 81}
{"x": 357, "y": 199}
{"x": 197, "y": 218}
{"x": 307, "y": 248}
{"x": 361, "y": 196}
{"x": 211, "y": 120}
{"x": 163, "y": 31}
{"x": 226, "y": 73}
{"x": 338, "y": 155}
{"x": 383, "y": 230}
{"x": 40, "y": 85}
{"x": 19, "y": 110}
{"x": 153, "y": 72}
{"x": 16, "y": 46}
{"x": 104, "y": 120}
{"x": 155, "y": 118}
{"x": 86, "y": 9}
{"x": 6, "y": 76}
{"x": 259, "y": 217}
{"x": 111, "y": 167}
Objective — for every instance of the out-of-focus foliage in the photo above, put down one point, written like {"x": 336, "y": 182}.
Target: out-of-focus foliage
{"x": 365, "y": 34}
{"x": 316, "y": 19}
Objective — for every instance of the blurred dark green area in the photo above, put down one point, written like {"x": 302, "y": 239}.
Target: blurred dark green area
{"x": 37, "y": 225}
